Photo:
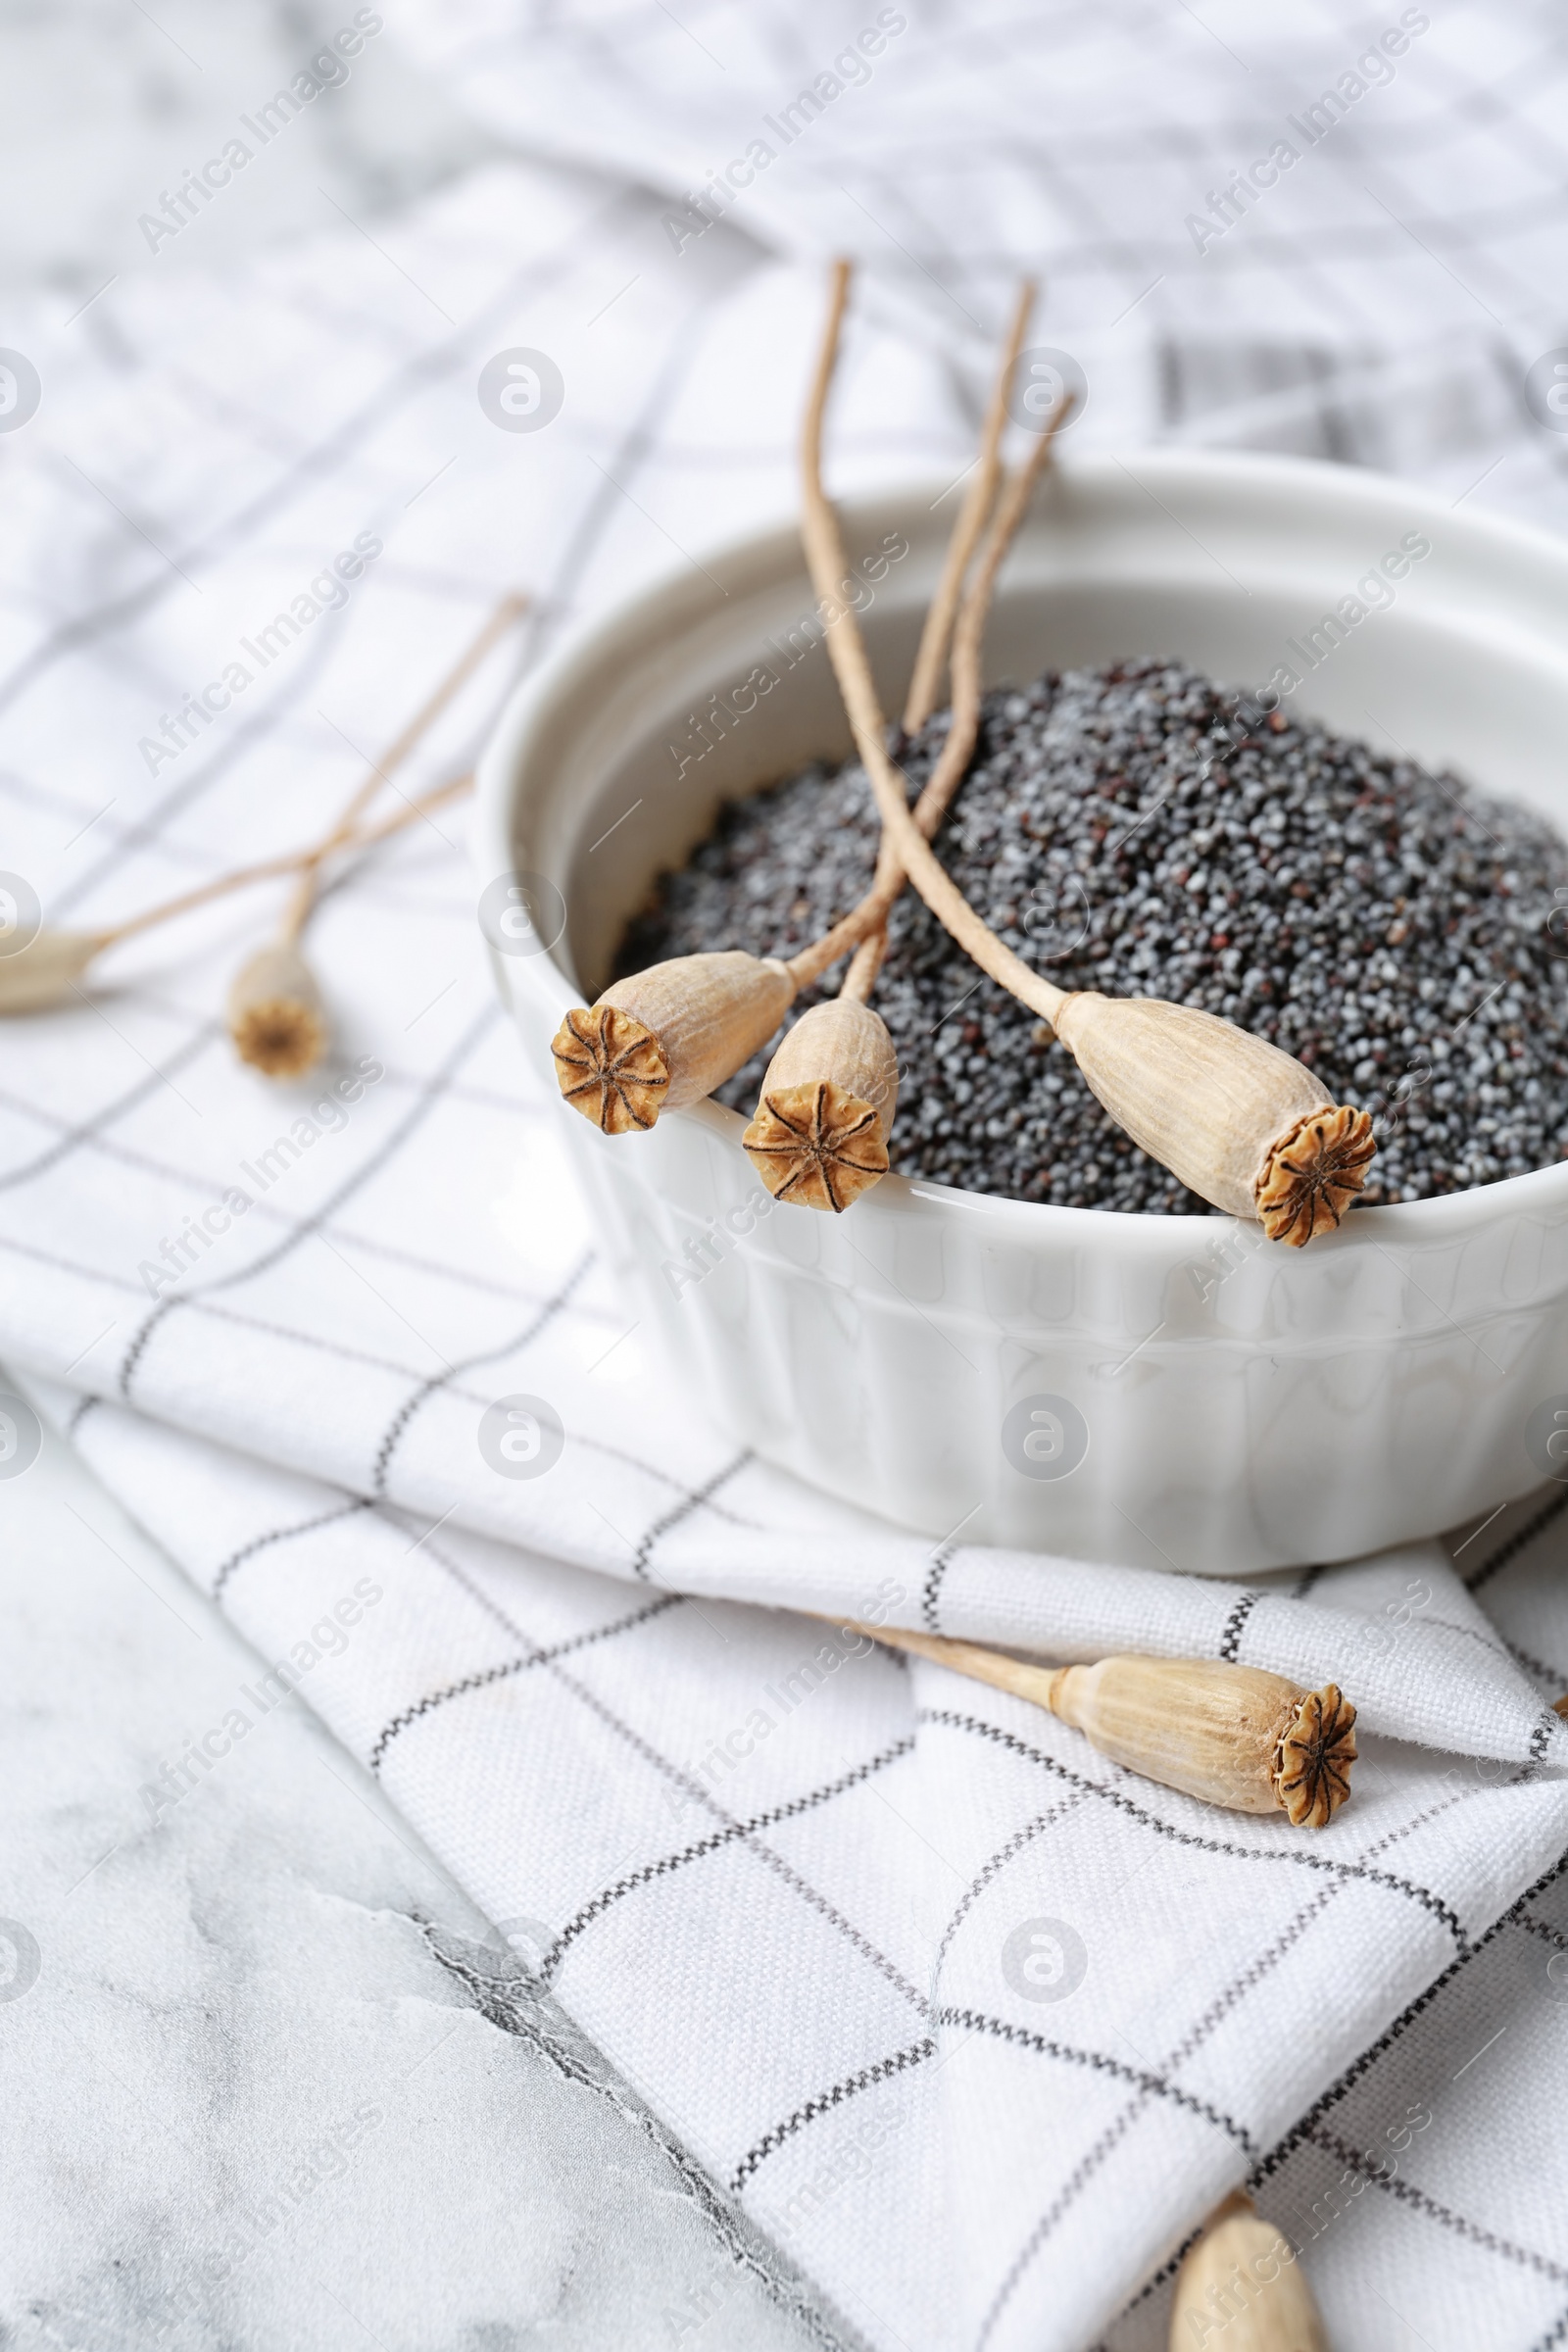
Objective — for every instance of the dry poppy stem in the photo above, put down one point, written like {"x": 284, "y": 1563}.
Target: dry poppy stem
{"x": 979, "y": 501}
{"x": 239, "y": 877}
{"x": 290, "y": 861}
{"x": 859, "y": 927}
{"x": 825, "y": 561}
{"x": 968, "y": 651}
{"x": 346, "y": 832}
{"x": 510, "y": 608}
{"x": 1240, "y": 1123}
{"x": 276, "y": 1014}
{"x": 48, "y": 968}
{"x": 1234, "y": 1736}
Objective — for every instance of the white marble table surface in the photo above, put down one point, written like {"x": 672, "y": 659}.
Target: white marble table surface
{"x": 273, "y": 2085}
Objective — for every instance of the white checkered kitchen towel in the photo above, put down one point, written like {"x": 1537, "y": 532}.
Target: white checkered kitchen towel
{"x": 976, "y": 2026}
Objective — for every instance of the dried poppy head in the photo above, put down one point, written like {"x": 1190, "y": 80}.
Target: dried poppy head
{"x": 611, "y": 1068}
{"x": 666, "y": 1036}
{"x": 1233, "y": 1735}
{"x": 1236, "y": 1736}
{"x": 274, "y": 1013}
{"x": 1274, "y": 2308}
{"x": 818, "y": 1137}
{"x": 1243, "y": 1124}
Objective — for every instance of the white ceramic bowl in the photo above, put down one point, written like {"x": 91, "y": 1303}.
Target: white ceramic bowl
{"x": 1189, "y": 1394}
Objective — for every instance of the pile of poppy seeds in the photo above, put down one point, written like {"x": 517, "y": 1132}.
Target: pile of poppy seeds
{"x": 1125, "y": 829}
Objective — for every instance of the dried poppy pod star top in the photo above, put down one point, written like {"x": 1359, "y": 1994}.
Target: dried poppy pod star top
{"x": 666, "y": 1036}
{"x": 819, "y": 1136}
{"x": 275, "y": 1016}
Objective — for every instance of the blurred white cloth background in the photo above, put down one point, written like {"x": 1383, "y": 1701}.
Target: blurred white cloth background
{"x": 798, "y": 1893}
